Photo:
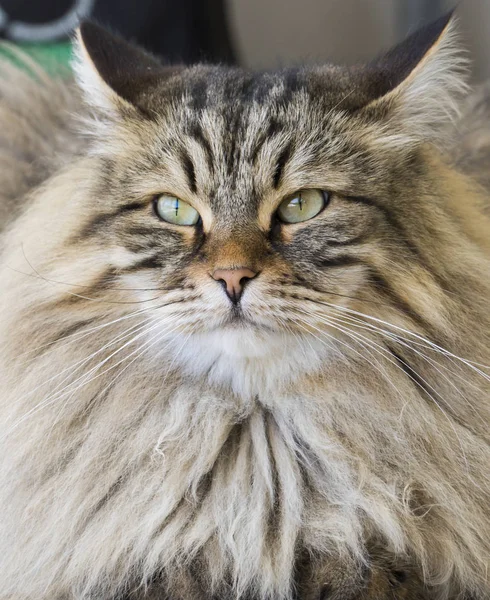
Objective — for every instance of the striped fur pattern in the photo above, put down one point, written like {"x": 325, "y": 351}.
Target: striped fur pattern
{"x": 328, "y": 439}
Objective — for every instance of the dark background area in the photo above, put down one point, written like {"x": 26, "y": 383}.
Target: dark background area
{"x": 255, "y": 33}
{"x": 178, "y": 30}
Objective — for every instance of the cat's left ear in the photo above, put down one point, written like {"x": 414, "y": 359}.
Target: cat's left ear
{"x": 112, "y": 73}
{"x": 418, "y": 84}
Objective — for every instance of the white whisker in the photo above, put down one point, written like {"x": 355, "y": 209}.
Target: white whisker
{"x": 473, "y": 365}
{"x": 84, "y": 378}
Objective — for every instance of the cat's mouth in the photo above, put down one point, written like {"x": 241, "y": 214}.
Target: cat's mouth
{"x": 237, "y": 318}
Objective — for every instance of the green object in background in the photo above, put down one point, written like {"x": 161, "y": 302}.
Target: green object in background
{"x": 54, "y": 57}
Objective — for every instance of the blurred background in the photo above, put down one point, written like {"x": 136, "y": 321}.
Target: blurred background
{"x": 254, "y": 33}
{"x": 268, "y": 32}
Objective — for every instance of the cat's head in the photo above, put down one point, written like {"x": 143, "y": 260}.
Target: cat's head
{"x": 250, "y": 211}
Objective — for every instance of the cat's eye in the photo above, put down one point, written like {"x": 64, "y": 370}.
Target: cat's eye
{"x": 175, "y": 211}
{"x": 302, "y": 206}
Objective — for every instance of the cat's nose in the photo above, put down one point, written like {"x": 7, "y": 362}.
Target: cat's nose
{"x": 234, "y": 281}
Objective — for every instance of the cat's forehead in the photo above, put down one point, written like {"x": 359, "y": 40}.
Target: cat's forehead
{"x": 236, "y": 133}
{"x": 238, "y": 141}
{"x": 240, "y": 117}
{"x": 210, "y": 87}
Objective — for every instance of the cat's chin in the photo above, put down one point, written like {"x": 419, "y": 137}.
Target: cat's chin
{"x": 250, "y": 359}
{"x": 244, "y": 341}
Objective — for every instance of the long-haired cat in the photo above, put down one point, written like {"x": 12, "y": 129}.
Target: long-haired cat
{"x": 244, "y": 329}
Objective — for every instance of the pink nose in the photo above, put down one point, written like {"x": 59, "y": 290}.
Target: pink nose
{"x": 234, "y": 281}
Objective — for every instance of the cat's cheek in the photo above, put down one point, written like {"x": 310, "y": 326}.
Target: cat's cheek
{"x": 121, "y": 258}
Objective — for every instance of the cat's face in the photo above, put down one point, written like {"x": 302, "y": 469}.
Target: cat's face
{"x": 243, "y": 209}
{"x": 265, "y": 181}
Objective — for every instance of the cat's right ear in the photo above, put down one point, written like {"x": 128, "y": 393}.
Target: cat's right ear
{"x": 112, "y": 73}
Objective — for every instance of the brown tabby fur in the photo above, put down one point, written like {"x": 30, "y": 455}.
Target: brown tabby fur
{"x": 328, "y": 437}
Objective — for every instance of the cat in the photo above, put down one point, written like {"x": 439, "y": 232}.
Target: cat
{"x": 244, "y": 328}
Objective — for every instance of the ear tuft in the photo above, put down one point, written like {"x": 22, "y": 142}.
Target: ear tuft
{"x": 422, "y": 80}
{"x": 111, "y": 71}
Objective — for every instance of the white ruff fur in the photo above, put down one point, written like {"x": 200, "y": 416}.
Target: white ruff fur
{"x": 249, "y": 361}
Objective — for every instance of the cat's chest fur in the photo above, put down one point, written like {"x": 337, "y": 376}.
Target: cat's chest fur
{"x": 147, "y": 474}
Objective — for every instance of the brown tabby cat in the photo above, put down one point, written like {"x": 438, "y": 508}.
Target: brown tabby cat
{"x": 244, "y": 329}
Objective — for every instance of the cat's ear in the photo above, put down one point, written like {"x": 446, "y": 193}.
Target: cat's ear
{"x": 111, "y": 72}
{"x": 419, "y": 83}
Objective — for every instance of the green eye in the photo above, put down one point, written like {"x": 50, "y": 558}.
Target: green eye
{"x": 176, "y": 211}
{"x": 302, "y": 206}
